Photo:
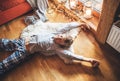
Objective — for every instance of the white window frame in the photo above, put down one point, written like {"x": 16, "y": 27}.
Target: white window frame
{"x": 96, "y": 4}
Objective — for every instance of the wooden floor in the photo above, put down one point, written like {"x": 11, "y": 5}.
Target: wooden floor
{"x": 42, "y": 68}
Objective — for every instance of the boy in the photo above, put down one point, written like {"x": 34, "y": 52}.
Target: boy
{"x": 48, "y": 43}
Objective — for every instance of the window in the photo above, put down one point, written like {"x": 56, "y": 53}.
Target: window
{"x": 96, "y": 4}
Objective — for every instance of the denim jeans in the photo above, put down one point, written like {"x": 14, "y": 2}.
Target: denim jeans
{"x": 17, "y": 46}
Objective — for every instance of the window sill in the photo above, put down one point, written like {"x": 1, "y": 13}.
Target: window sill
{"x": 92, "y": 22}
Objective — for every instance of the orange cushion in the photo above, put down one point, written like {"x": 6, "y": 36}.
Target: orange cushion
{"x": 6, "y": 4}
{"x": 14, "y": 12}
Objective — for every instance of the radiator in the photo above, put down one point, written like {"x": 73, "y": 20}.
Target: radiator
{"x": 114, "y": 36}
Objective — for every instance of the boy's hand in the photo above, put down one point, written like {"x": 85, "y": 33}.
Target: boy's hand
{"x": 95, "y": 63}
{"x": 85, "y": 27}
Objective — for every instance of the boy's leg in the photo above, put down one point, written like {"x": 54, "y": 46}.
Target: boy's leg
{"x": 14, "y": 58}
{"x": 1, "y": 68}
{"x": 7, "y": 45}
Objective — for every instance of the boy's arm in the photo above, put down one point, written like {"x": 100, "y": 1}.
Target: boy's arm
{"x": 67, "y": 54}
{"x": 68, "y": 57}
{"x": 64, "y": 27}
{"x": 70, "y": 26}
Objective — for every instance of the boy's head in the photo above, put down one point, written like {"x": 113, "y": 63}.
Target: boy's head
{"x": 63, "y": 40}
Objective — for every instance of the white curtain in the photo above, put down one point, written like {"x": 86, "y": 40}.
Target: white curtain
{"x": 40, "y": 7}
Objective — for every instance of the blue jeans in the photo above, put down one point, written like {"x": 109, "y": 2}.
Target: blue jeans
{"x": 18, "y": 48}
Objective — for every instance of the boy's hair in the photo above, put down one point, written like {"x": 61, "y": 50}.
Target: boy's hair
{"x": 67, "y": 42}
